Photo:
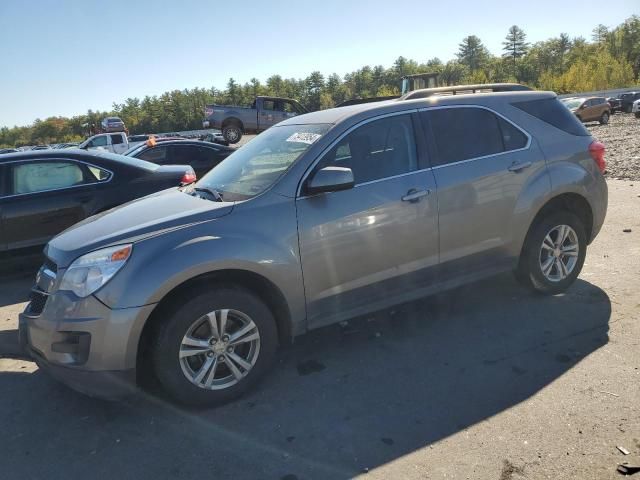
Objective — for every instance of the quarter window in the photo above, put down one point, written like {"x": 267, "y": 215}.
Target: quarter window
{"x": 466, "y": 133}
{"x": 42, "y": 176}
{"x": 99, "y": 174}
{"x": 380, "y": 149}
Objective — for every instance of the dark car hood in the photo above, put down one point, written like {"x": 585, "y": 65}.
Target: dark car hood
{"x": 132, "y": 222}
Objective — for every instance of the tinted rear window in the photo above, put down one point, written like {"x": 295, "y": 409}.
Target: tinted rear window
{"x": 551, "y": 111}
{"x": 464, "y": 133}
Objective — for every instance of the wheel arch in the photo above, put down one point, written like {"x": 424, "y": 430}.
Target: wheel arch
{"x": 232, "y": 121}
{"x": 255, "y": 283}
{"x": 571, "y": 202}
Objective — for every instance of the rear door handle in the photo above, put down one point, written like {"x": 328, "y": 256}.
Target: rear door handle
{"x": 414, "y": 195}
{"x": 518, "y": 166}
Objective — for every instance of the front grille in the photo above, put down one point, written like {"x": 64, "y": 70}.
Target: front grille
{"x": 50, "y": 265}
{"x": 37, "y": 301}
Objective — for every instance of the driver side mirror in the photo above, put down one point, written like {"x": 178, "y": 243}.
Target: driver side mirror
{"x": 330, "y": 179}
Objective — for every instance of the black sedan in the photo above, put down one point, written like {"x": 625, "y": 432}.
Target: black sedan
{"x": 202, "y": 156}
{"x": 44, "y": 192}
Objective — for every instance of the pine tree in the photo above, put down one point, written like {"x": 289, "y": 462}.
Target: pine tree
{"x": 472, "y": 53}
{"x": 600, "y": 34}
{"x": 515, "y": 46}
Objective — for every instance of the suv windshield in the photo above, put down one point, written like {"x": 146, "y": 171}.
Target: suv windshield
{"x": 573, "y": 102}
{"x": 260, "y": 163}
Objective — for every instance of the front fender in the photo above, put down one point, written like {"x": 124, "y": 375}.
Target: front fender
{"x": 260, "y": 238}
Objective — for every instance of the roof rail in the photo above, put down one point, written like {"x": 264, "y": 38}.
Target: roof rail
{"x": 465, "y": 89}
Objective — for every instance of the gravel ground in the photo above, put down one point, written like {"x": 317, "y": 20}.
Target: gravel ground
{"x": 622, "y": 141}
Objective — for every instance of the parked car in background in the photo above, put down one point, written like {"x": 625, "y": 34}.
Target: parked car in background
{"x": 265, "y": 112}
{"x": 615, "y": 104}
{"x": 68, "y": 145}
{"x": 44, "y": 192}
{"x": 201, "y": 156}
{"x": 214, "y": 138}
{"x": 323, "y": 217}
{"x": 41, "y": 147}
{"x": 589, "y": 109}
{"x": 627, "y": 99}
{"x": 635, "y": 108}
{"x": 8, "y": 150}
{"x": 112, "y": 142}
{"x": 112, "y": 124}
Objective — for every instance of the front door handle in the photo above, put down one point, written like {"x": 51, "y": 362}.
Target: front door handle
{"x": 518, "y": 166}
{"x": 414, "y": 195}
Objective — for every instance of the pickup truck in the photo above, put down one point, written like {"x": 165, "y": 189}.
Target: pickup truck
{"x": 235, "y": 121}
{"x": 112, "y": 142}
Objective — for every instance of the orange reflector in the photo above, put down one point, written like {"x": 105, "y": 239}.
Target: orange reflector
{"x": 151, "y": 142}
{"x": 121, "y": 255}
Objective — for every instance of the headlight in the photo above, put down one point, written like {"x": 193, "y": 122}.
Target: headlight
{"x": 91, "y": 271}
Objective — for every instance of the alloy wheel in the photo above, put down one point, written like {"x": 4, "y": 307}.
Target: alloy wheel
{"x": 559, "y": 253}
{"x": 219, "y": 349}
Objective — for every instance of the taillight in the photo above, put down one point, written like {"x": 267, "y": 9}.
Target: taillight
{"x": 189, "y": 177}
{"x": 596, "y": 149}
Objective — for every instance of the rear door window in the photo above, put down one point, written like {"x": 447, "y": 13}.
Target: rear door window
{"x": 268, "y": 105}
{"x": 155, "y": 155}
{"x": 36, "y": 177}
{"x": 464, "y": 133}
{"x": 98, "y": 142}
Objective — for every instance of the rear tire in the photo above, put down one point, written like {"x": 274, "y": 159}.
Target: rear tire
{"x": 604, "y": 119}
{"x": 232, "y": 133}
{"x": 204, "y": 365}
{"x": 553, "y": 253}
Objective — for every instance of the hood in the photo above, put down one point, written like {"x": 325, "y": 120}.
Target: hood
{"x": 154, "y": 215}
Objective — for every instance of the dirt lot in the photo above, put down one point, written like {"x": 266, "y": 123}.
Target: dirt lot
{"x": 622, "y": 140}
{"x": 487, "y": 382}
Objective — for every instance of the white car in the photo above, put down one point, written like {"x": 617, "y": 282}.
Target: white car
{"x": 635, "y": 108}
{"x": 112, "y": 142}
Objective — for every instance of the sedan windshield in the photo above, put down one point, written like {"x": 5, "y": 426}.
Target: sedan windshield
{"x": 260, "y": 163}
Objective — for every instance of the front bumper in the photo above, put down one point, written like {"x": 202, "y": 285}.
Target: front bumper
{"x": 85, "y": 344}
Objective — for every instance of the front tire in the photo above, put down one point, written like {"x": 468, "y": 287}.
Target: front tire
{"x": 553, "y": 253}
{"x": 232, "y": 134}
{"x": 604, "y": 119}
{"x": 214, "y": 346}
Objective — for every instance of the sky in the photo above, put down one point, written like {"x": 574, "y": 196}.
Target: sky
{"x": 63, "y": 57}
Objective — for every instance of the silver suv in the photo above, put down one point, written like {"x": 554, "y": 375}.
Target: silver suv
{"x": 324, "y": 217}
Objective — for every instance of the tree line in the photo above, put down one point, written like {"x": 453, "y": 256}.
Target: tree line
{"x": 611, "y": 59}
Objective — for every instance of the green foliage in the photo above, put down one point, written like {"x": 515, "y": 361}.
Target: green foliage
{"x": 561, "y": 64}
{"x": 473, "y": 53}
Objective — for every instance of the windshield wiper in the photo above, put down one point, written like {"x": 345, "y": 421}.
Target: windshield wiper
{"x": 211, "y": 191}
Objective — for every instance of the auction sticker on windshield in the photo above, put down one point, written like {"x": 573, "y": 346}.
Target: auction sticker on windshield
{"x": 302, "y": 137}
